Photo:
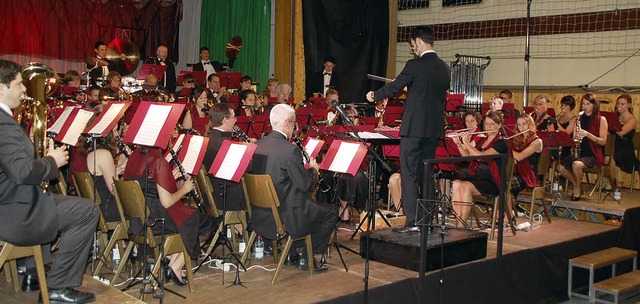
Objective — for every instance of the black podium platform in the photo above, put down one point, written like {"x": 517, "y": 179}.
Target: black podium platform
{"x": 403, "y": 249}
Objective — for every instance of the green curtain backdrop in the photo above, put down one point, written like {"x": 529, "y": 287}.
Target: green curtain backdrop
{"x": 249, "y": 19}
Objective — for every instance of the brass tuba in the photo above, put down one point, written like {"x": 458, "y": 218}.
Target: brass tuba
{"x": 40, "y": 81}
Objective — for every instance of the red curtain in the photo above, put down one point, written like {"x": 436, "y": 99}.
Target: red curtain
{"x": 68, "y": 29}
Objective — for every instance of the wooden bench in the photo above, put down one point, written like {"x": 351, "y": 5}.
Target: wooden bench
{"x": 616, "y": 286}
{"x": 596, "y": 260}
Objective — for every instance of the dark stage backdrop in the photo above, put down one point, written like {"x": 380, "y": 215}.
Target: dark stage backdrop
{"x": 355, "y": 33}
{"x": 68, "y": 29}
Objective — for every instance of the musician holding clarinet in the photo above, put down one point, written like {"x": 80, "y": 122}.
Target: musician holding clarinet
{"x": 164, "y": 200}
{"x": 427, "y": 80}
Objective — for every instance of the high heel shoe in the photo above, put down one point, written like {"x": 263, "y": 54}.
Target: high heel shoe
{"x": 576, "y": 198}
{"x": 169, "y": 275}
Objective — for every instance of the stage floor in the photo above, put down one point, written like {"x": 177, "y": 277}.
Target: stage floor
{"x": 296, "y": 286}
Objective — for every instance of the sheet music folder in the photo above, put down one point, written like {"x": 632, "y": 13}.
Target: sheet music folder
{"x": 344, "y": 157}
{"x": 154, "y": 69}
{"x": 232, "y": 160}
{"x": 153, "y": 123}
{"x": 108, "y": 119}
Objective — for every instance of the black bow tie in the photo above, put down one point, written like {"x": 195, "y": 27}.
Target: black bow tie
{"x": 327, "y": 74}
{"x": 205, "y": 63}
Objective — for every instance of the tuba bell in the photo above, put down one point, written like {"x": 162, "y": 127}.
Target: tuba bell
{"x": 40, "y": 81}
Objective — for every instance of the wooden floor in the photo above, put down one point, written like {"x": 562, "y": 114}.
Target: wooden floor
{"x": 296, "y": 286}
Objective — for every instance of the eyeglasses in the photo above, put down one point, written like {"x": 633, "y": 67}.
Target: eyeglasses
{"x": 230, "y": 117}
{"x": 189, "y": 81}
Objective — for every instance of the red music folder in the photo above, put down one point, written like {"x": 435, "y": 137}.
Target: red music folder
{"x": 613, "y": 121}
{"x": 344, "y": 157}
{"x": 154, "y": 69}
{"x": 230, "y": 80}
{"x": 153, "y": 123}
{"x": 232, "y": 160}
{"x": 555, "y": 139}
{"x": 192, "y": 152}
{"x": 392, "y": 114}
{"x": 455, "y": 102}
{"x": 107, "y": 119}
{"x": 200, "y": 76}
{"x": 70, "y": 125}
{"x": 312, "y": 146}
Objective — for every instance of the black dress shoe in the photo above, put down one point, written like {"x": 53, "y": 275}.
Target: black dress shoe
{"x": 575, "y": 198}
{"x": 292, "y": 260}
{"x": 316, "y": 266}
{"x": 406, "y": 229}
{"x": 69, "y": 295}
{"x": 169, "y": 275}
{"x": 30, "y": 282}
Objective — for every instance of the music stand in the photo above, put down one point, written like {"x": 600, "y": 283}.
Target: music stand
{"x": 392, "y": 114}
{"x": 230, "y": 80}
{"x": 153, "y": 69}
{"x": 455, "y": 103}
{"x": 230, "y": 164}
{"x": 150, "y": 127}
{"x": 200, "y": 76}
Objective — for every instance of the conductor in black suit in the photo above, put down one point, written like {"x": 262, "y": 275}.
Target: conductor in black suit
{"x": 100, "y": 71}
{"x": 427, "y": 79}
{"x": 320, "y": 82}
{"x": 223, "y": 119}
{"x": 282, "y": 160}
{"x": 169, "y": 79}
{"x": 31, "y": 216}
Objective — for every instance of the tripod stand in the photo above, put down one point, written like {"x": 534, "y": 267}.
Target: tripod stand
{"x": 335, "y": 243}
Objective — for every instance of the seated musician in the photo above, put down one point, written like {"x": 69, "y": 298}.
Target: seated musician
{"x": 351, "y": 189}
{"x": 245, "y": 83}
{"x": 566, "y": 122}
{"x": 164, "y": 200}
{"x": 217, "y": 92}
{"x": 188, "y": 82}
{"x": 223, "y": 120}
{"x": 196, "y": 117}
{"x": 540, "y": 115}
{"x": 300, "y": 213}
{"x": 495, "y": 104}
{"x": 526, "y": 148}
{"x": 592, "y": 135}
{"x": 484, "y": 176}
{"x": 269, "y": 91}
{"x": 101, "y": 164}
{"x": 332, "y": 116}
{"x": 624, "y": 153}
{"x": 283, "y": 92}
{"x": 249, "y": 105}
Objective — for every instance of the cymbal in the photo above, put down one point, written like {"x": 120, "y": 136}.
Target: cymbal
{"x": 124, "y": 54}
{"x": 93, "y": 61}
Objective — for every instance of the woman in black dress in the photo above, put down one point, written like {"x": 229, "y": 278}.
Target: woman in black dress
{"x": 566, "y": 122}
{"x": 540, "y": 115}
{"x": 624, "y": 153}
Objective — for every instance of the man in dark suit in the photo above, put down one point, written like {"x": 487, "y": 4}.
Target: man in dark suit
{"x": 320, "y": 82}
{"x": 220, "y": 94}
{"x": 100, "y": 72}
{"x": 427, "y": 79}
{"x": 169, "y": 79}
{"x": 223, "y": 120}
{"x": 30, "y": 216}
{"x": 206, "y": 65}
{"x": 299, "y": 211}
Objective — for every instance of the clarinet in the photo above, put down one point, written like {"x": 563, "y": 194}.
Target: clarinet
{"x": 240, "y": 134}
{"x": 321, "y": 185}
{"x": 124, "y": 149}
{"x": 193, "y": 192}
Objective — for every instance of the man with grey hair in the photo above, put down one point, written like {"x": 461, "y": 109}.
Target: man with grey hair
{"x": 299, "y": 211}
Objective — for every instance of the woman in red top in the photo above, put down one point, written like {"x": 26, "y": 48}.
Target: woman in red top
{"x": 164, "y": 200}
{"x": 526, "y": 148}
{"x": 197, "y": 118}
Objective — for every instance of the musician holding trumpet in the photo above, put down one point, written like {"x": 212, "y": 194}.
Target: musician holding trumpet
{"x": 591, "y": 136}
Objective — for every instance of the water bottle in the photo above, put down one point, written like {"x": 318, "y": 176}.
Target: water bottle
{"x": 616, "y": 194}
{"x": 259, "y": 249}
{"x": 115, "y": 253}
{"x": 241, "y": 244}
{"x": 555, "y": 186}
{"x": 228, "y": 232}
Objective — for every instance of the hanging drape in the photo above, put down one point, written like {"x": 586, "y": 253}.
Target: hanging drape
{"x": 249, "y": 19}
{"x": 67, "y": 30}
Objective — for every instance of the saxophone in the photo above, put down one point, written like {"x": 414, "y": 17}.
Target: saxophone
{"x": 577, "y": 140}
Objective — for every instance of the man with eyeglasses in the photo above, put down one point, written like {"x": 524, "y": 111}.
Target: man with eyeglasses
{"x": 427, "y": 79}
{"x": 300, "y": 212}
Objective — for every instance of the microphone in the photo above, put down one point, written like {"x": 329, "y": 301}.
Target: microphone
{"x": 340, "y": 110}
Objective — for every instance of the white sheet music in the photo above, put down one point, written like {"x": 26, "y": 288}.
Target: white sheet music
{"x": 231, "y": 161}
{"x": 77, "y": 127}
{"x": 312, "y": 143}
{"x": 152, "y": 125}
{"x": 107, "y": 118}
{"x": 369, "y": 135}
{"x": 57, "y": 126}
{"x": 193, "y": 151}
{"x": 344, "y": 156}
{"x": 176, "y": 147}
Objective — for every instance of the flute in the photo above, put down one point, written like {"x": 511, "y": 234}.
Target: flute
{"x": 451, "y": 135}
{"x": 514, "y": 135}
{"x": 183, "y": 172}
